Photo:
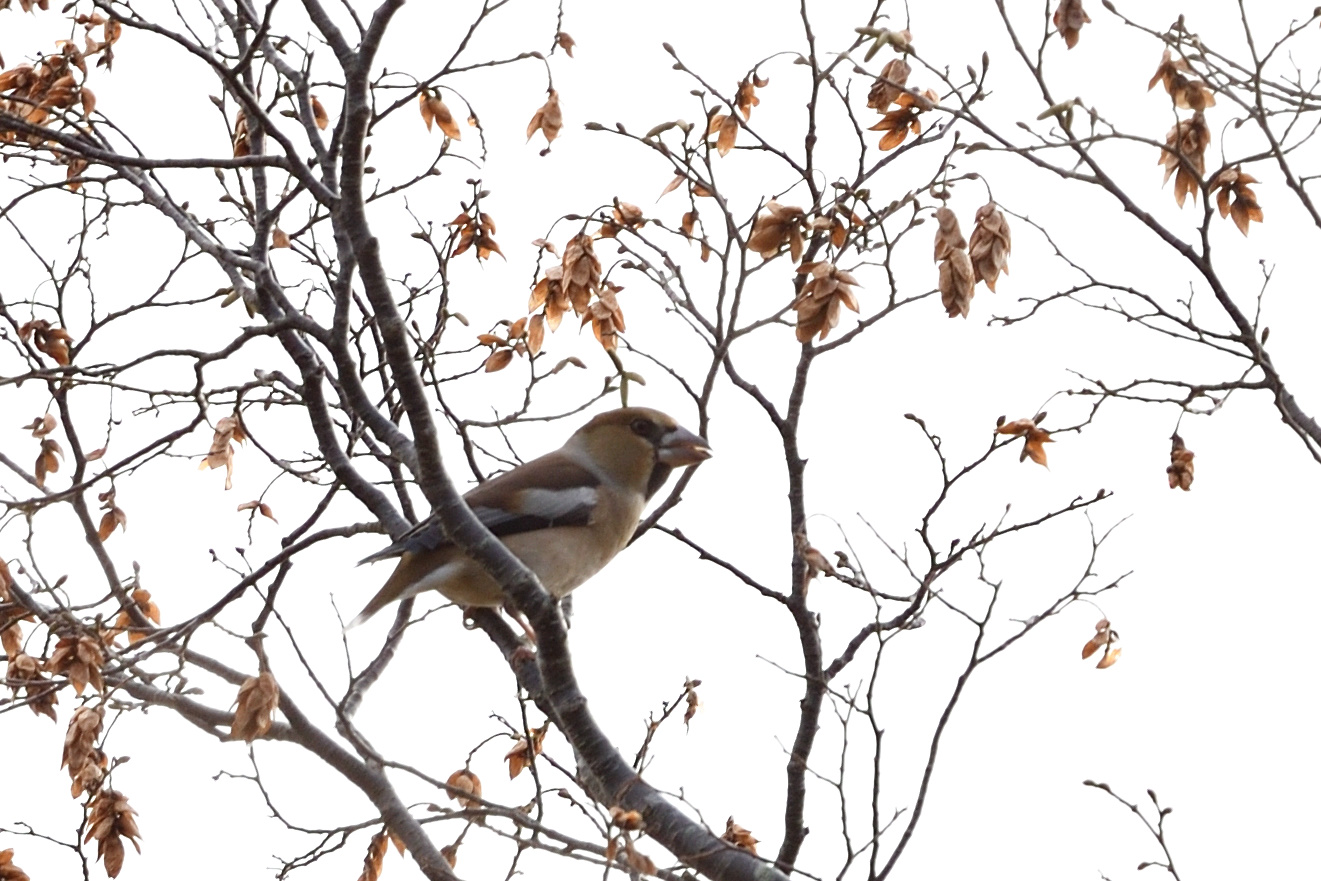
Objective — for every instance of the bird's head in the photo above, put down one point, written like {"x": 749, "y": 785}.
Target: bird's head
{"x": 637, "y": 447}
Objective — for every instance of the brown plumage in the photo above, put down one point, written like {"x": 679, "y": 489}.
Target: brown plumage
{"x": 565, "y": 514}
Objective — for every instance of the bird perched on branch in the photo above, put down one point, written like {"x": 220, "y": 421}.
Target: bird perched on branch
{"x": 565, "y": 514}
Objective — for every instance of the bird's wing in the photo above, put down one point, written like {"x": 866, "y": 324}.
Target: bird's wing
{"x": 550, "y": 491}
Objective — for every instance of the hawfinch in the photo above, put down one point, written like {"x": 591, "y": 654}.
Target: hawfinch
{"x": 565, "y": 514}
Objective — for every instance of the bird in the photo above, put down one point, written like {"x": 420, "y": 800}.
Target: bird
{"x": 565, "y": 514}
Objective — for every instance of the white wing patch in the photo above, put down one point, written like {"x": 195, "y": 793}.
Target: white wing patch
{"x": 556, "y": 504}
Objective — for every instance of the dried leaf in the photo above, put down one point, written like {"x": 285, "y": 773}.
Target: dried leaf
{"x": 374, "y": 861}
{"x": 258, "y": 699}
{"x": 443, "y": 118}
{"x": 1180, "y": 470}
{"x": 1109, "y": 659}
{"x": 990, "y": 245}
{"x": 536, "y": 333}
{"x": 948, "y": 235}
{"x": 565, "y": 42}
{"x": 499, "y": 360}
{"x": 523, "y": 751}
{"x": 548, "y": 119}
{"x": 778, "y": 225}
{"x": 889, "y": 85}
{"x": 279, "y": 238}
{"x": 469, "y": 786}
{"x": 956, "y": 283}
{"x": 739, "y": 837}
{"x": 1068, "y": 19}
{"x": 319, "y": 114}
{"x": 9, "y": 871}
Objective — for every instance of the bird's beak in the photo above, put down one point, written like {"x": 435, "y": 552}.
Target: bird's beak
{"x": 682, "y": 447}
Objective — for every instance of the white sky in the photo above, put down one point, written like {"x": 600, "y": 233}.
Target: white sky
{"x": 1210, "y": 704}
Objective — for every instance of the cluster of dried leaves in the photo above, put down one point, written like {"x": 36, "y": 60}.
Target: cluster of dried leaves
{"x": 41, "y": 93}
{"x": 1034, "y": 438}
{"x": 1180, "y": 470}
{"x": 51, "y": 341}
{"x": 724, "y": 126}
{"x": 228, "y": 430}
{"x": 621, "y": 846}
{"x": 1184, "y": 153}
{"x": 109, "y": 822}
{"x": 522, "y": 337}
{"x": 259, "y": 697}
{"x": 85, "y": 761}
{"x": 1105, "y": 638}
{"x": 961, "y": 264}
{"x": 818, "y": 305}
{"x": 575, "y": 284}
{"x": 476, "y": 230}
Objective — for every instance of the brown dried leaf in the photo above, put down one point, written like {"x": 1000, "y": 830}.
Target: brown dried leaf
{"x": 1180, "y": 470}
{"x": 548, "y": 119}
{"x": 738, "y": 836}
{"x": 889, "y": 85}
{"x": 258, "y": 699}
{"x": 956, "y": 283}
{"x": 565, "y": 42}
{"x": 536, "y": 333}
{"x": 690, "y": 699}
{"x": 948, "y": 235}
{"x": 469, "y": 787}
{"x": 745, "y": 98}
{"x": 778, "y": 225}
{"x": 444, "y": 119}
{"x": 523, "y": 751}
{"x": 499, "y": 360}
{"x": 1068, "y": 19}
{"x": 9, "y": 871}
{"x": 279, "y": 238}
{"x": 115, "y": 517}
{"x": 374, "y": 861}
{"x": 319, "y": 114}
{"x": 1109, "y": 659}
{"x": 629, "y": 821}
{"x": 638, "y": 861}
{"x": 725, "y": 128}
{"x": 990, "y": 245}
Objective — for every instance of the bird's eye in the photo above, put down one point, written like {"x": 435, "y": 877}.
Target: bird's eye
{"x": 643, "y": 427}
